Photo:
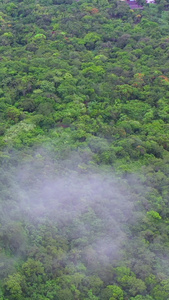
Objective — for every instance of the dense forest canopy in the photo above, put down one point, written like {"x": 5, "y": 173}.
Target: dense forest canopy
{"x": 84, "y": 150}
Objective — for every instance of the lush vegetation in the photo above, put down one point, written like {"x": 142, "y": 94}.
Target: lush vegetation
{"x": 84, "y": 150}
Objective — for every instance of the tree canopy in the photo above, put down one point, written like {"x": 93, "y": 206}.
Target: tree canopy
{"x": 84, "y": 150}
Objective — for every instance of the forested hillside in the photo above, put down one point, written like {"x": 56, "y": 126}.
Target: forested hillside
{"x": 84, "y": 150}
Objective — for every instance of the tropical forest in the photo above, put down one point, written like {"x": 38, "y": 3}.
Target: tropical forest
{"x": 84, "y": 150}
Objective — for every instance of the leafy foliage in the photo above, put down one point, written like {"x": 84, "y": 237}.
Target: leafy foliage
{"x": 84, "y": 93}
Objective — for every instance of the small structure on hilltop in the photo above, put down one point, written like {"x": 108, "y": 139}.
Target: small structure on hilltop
{"x": 134, "y": 5}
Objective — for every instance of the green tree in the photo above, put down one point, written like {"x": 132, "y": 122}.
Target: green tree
{"x": 13, "y": 286}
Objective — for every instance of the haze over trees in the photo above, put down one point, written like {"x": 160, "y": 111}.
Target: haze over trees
{"x": 84, "y": 150}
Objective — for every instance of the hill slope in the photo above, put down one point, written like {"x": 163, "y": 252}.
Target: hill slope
{"x": 84, "y": 150}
